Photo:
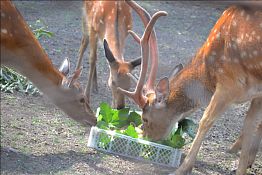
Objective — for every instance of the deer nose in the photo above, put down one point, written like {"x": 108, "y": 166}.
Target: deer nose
{"x": 142, "y": 127}
{"x": 120, "y": 107}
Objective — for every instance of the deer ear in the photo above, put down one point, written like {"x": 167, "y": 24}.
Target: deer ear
{"x": 75, "y": 77}
{"x": 135, "y": 62}
{"x": 176, "y": 70}
{"x": 65, "y": 67}
{"x": 162, "y": 92}
{"x": 109, "y": 55}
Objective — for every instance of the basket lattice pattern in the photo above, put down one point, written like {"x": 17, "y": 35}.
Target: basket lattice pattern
{"x": 111, "y": 142}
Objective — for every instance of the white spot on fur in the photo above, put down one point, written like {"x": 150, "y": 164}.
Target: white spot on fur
{"x": 102, "y": 9}
{"x": 234, "y": 46}
{"x": 248, "y": 17}
{"x": 112, "y": 11}
{"x": 215, "y": 30}
{"x": 234, "y": 23}
{"x": 258, "y": 38}
{"x": 239, "y": 40}
{"x": 208, "y": 43}
{"x": 109, "y": 17}
{"x": 243, "y": 54}
{"x": 218, "y": 35}
{"x": 220, "y": 70}
{"x": 4, "y": 31}
{"x": 213, "y": 53}
{"x": 2, "y": 14}
{"x": 223, "y": 57}
{"x": 101, "y": 21}
{"x": 255, "y": 52}
{"x": 242, "y": 13}
{"x": 242, "y": 36}
{"x": 253, "y": 32}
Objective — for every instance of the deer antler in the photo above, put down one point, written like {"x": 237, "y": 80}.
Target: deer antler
{"x": 148, "y": 36}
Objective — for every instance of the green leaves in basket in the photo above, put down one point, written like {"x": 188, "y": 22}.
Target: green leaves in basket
{"x": 175, "y": 140}
{"x": 135, "y": 118}
{"x": 125, "y": 122}
{"x": 109, "y": 118}
{"x": 131, "y": 131}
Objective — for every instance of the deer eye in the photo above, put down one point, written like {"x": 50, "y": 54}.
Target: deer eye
{"x": 82, "y": 100}
{"x": 145, "y": 120}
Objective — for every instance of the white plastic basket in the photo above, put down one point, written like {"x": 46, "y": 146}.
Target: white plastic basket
{"x": 134, "y": 148}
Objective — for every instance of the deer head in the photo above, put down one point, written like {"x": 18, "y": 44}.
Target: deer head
{"x": 120, "y": 75}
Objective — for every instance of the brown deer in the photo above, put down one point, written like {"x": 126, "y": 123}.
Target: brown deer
{"x": 227, "y": 69}
{"x": 108, "y": 20}
{"x": 21, "y": 51}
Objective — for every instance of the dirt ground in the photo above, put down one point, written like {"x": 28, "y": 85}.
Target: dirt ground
{"x": 37, "y": 137}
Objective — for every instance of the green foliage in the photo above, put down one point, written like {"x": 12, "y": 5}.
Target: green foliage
{"x": 113, "y": 119}
{"x": 125, "y": 122}
{"x": 40, "y": 29}
{"x": 11, "y": 80}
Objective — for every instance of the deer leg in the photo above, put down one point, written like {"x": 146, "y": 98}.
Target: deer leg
{"x": 84, "y": 44}
{"x": 94, "y": 81}
{"x": 236, "y": 145}
{"x": 251, "y": 137}
{"x": 92, "y": 62}
{"x": 217, "y": 105}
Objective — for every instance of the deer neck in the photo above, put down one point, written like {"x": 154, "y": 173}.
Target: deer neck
{"x": 193, "y": 87}
{"x": 37, "y": 68}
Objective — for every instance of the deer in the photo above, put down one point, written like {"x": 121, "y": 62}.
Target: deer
{"x": 109, "y": 20}
{"x": 226, "y": 70}
{"x": 21, "y": 51}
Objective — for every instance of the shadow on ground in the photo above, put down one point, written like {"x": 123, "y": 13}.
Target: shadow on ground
{"x": 13, "y": 161}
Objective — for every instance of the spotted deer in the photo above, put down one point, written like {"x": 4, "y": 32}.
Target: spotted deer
{"x": 227, "y": 69}
{"x": 109, "y": 20}
{"x": 21, "y": 51}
